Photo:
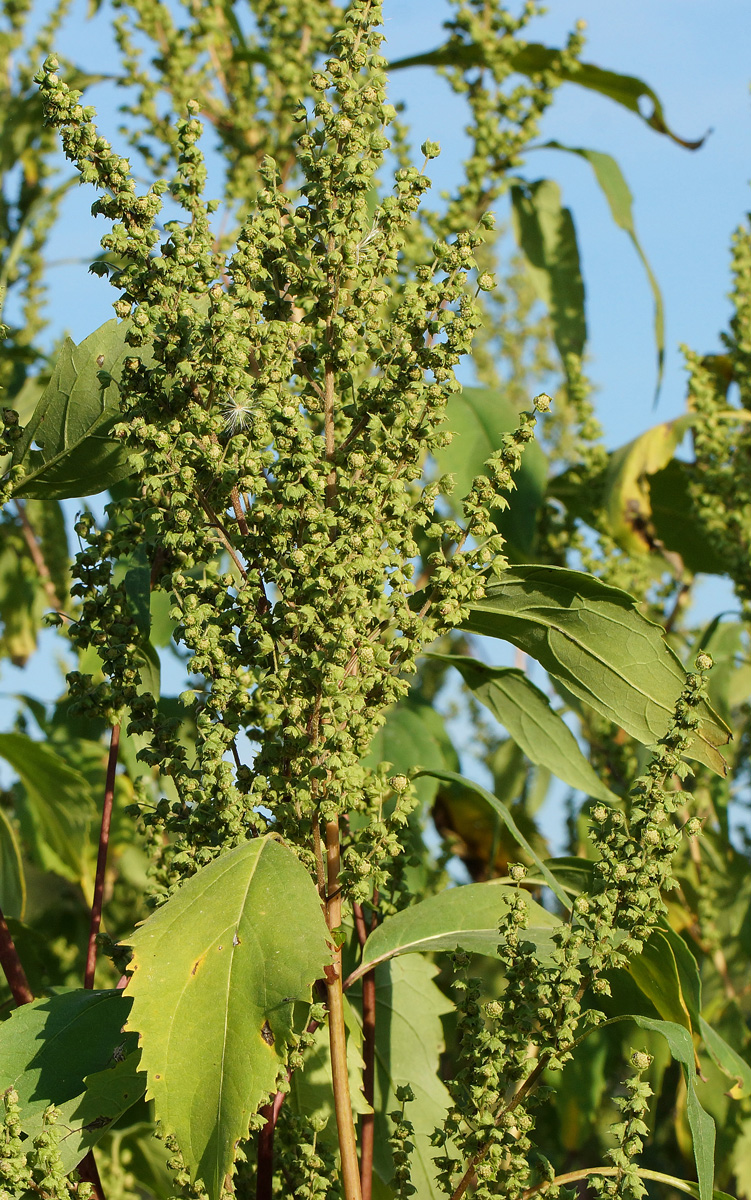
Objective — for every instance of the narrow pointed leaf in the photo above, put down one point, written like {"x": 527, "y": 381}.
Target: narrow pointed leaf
{"x": 466, "y": 917}
{"x": 592, "y": 638}
{"x": 702, "y": 1126}
{"x": 217, "y": 971}
{"x": 12, "y": 878}
{"x": 620, "y": 201}
{"x": 509, "y": 822}
{"x": 531, "y": 58}
{"x": 545, "y": 231}
{"x": 525, "y": 713}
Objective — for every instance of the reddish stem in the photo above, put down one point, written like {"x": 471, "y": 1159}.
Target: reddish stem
{"x": 265, "y": 1167}
{"x": 101, "y": 862}
{"x": 11, "y": 964}
{"x": 367, "y": 1120}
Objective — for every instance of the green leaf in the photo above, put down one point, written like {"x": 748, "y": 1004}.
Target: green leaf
{"x": 627, "y": 499}
{"x": 408, "y": 1045}
{"x": 593, "y": 639}
{"x": 509, "y": 822}
{"x": 73, "y": 419}
{"x": 655, "y": 973}
{"x": 525, "y": 713}
{"x": 545, "y": 232}
{"x": 12, "y": 878}
{"x": 217, "y": 970}
{"x": 675, "y": 522}
{"x": 532, "y": 58}
{"x": 466, "y": 917}
{"x": 413, "y": 735}
{"x": 620, "y": 201}
{"x": 479, "y": 419}
{"x": 701, "y": 1124}
{"x": 727, "y": 1059}
{"x": 53, "y": 1050}
{"x": 48, "y": 523}
{"x": 57, "y": 809}
{"x": 312, "y": 1093}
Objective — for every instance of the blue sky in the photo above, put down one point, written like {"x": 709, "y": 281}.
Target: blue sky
{"x": 697, "y": 57}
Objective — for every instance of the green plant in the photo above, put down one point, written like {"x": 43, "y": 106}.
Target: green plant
{"x": 307, "y": 1008}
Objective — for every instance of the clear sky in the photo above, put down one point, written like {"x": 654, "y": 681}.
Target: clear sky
{"x": 696, "y": 54}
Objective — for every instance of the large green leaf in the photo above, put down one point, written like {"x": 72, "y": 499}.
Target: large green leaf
{"x": 70, "y": 1051}
{"x": 503, "y": 812}
{"x": 620, "y": 201}
{"x": 466, "y": 917}
{"x": 408, "y": 1046}
{"x": 532, "y": 58}
{"x": 675, "y": 522}
{"x": 217, "y": 971}
{"x": 479, "y": 419}
{"x": 656, "y": 975}
{"x": 525, "y": 713}
{"x": 12, "y": 878}
{"x": 56, "y": 809}
{"x": 545, "y": 232}
{"x": 593, "y": 639}
{"x": 66, "y": 449}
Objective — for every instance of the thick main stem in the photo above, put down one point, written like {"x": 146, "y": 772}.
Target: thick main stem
{"x": 101, "y": 862}
{"x": 337, "y": 1034}
{"x": 367, "y": 1120}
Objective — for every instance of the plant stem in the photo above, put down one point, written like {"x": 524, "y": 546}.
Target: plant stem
{"x": 574, "y": 1176}
{"x": 101, "y": 862}
{"x": 265, "y": 1166}
{"x": 11, "y": 964}
{"x": 337, "y": 1034}
{"x": 367, "y": 1120}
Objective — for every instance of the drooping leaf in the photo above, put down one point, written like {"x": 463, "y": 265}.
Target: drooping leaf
{"x": 509, "y": 822}
{"x": 66, "y": 449}
{"x": 532, "y": 58}
{"x": 526, "y": 714}
{"x": 409, "y": 1043}
{"x": 593, "y": 639}
{"x": 545, "y": 231}
{"x": 22, "y": 600}
{"x": 413, "y": 735}
{"x": 465, "y": 917}
{"x": 479, "y": 418}
{"x": 217, "y": 971}
{"x": 620, "y": 201}
{"x": 56, "y": 810}
{"x": 52, "y": 1050}
{"x": 12, "y": 878}
{"x": 700, "y": 1123}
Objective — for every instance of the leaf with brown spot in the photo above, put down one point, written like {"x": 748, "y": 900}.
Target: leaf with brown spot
{"x": 252, "y": 921}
